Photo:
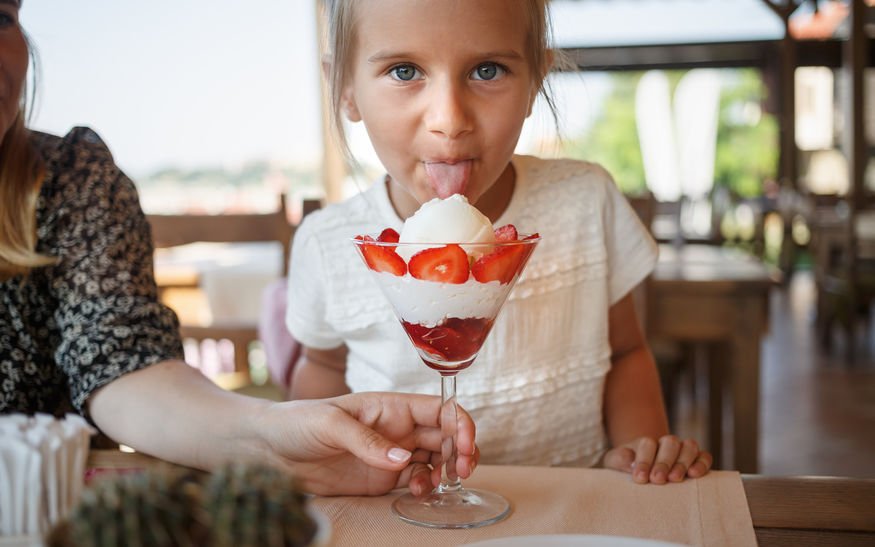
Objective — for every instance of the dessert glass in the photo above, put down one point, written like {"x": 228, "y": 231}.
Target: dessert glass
{"x": 447, "y": 324}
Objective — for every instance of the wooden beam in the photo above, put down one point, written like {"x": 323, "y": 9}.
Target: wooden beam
{"x": 757, "y": 54}
{"x": 828, "y": 53}
{"x": 672, "y": 56}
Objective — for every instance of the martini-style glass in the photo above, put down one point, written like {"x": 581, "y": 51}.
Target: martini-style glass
{"x": 447, "y": 309}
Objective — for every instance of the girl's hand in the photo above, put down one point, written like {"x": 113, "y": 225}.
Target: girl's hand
{"x": 659, "y": 461}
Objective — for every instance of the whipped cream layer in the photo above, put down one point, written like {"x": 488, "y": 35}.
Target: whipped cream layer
{"x": 428, "y": 303}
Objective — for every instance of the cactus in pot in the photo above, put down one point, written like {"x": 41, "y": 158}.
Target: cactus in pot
{"x": 237, "y": 505}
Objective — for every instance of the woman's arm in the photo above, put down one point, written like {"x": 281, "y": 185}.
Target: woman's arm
{"x": 173, "y": 412}
{"x": 320, "y": 374}
{"x": 367, "y": 443}
{"x": 634, "y": 412}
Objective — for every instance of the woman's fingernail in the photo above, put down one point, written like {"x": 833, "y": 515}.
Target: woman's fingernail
{"x": 399, "y": 455}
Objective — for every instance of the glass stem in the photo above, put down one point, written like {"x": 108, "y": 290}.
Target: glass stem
{"x": 450, "y": 481}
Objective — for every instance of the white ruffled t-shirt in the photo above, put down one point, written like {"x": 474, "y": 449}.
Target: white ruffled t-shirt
{"x": 535, "y": 390}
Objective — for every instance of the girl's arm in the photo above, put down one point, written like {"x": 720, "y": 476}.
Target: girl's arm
{"x": 320, "y": 374}
{"x": 634, "y": 412}
{"x": 633, "y": 405}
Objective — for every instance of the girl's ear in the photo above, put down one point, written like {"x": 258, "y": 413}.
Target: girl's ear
{"x": 349, "y": 106}
{"x": 549, "y": 57}
{"x": 532, "y": 96}
{"x": 347, "y": 101}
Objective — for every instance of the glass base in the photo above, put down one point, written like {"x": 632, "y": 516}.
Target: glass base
{"x": 456, "y": 509}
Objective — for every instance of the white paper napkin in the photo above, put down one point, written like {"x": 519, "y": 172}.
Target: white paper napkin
{"x": 42, "y": 467}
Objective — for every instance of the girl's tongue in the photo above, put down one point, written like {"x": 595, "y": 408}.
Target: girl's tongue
{"x": 447, "y": 179}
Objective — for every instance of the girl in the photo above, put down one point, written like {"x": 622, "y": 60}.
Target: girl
{"x": 443, "y": 88}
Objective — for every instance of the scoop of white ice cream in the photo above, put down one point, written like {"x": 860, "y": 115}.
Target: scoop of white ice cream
{"x": 450, "y": 220}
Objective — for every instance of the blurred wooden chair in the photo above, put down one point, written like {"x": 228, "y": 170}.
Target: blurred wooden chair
{"x": 644, "y": 205}
{"x": 667, "y": 353}
{"x": 675, "y": 359}
{"x": 844, "y": 272}
{"x": 175, "y": 230}
{"x": 281, "y": 350}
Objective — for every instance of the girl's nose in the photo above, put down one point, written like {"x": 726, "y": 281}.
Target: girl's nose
{"x": 447, "y": 111}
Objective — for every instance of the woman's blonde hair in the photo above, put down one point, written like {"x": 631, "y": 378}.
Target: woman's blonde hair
{"x": 341, "y": 37}
{"x": 21, "y": 175}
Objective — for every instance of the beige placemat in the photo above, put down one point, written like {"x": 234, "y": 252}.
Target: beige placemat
{"x": 710, "y": 511}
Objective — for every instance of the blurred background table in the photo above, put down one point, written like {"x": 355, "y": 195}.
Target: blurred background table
{"x": 720, "y": 297}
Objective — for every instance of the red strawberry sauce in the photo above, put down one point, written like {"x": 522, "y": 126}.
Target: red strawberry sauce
{"x": 454, "y": 341}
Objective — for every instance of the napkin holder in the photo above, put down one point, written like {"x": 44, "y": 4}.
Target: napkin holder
{"x": 42, "y": 465}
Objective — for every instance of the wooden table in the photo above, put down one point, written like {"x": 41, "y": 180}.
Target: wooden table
{"x": 719, "y": 296}
{"x": 801, "y": 511}
{"x": 785, "y": 511}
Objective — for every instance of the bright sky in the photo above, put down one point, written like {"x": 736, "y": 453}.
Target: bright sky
{"x": 197, "y": 83}
{"x": 611, "y": 22}
{"x": 186, "y": 83}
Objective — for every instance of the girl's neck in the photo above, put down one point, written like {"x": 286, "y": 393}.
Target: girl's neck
{"x": 493, "y": 203}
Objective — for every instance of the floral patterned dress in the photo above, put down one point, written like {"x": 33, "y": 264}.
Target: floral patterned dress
{"x": 68, "y": 329}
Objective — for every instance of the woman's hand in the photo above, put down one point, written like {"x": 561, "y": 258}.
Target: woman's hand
{"x": 364, "y": 443}
{"x": 668, "y": 459}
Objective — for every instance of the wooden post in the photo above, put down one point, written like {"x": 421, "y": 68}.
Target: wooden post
{"x": 786, "y": 72}
{"x": 854, "y": 60}
{"x": 334, "y": 168}
{"x": 788, "y": 169}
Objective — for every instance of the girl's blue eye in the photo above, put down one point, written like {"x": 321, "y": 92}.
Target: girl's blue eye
{"x": 488, "y": 71}
{"x": 8, "y": 15}
{"x": 405, "y": 73}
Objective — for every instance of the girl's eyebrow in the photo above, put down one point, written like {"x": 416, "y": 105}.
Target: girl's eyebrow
{"x": 388, "y": 55}
{"x": 504, "y": 54}
{"x": 14, "y": 3}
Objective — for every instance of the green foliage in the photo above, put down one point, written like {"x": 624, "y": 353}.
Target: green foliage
{"x": 747, "y": 137}
{"x": 253, "y": 174}
{"x": 747, "y": 150}
{"x": 613, "y": 139}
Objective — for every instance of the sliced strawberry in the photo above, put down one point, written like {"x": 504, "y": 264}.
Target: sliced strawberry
{"x": 382, "y": 258}
{"x": 501, "y": 264}
{"x": 389, "y": 236}
{"x": 448, "y": 264}
{"x": 506, "y": 233}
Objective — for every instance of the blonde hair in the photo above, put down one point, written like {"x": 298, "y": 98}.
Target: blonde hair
{"x": 21, "y": 176}
{"x": 341, "y": 37}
